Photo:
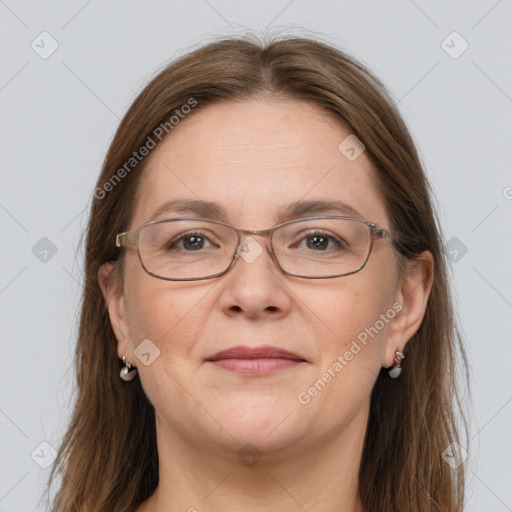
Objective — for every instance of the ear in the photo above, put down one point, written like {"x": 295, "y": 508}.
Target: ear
{"x": 114, "y": 298}
{"x": 412, "y": 294}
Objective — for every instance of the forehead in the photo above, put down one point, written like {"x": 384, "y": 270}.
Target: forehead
{"x": 254, "y": 159}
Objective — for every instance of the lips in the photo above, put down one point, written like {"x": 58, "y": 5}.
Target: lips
{"x": 255, "y": 361}
{"x": 265, "y": 352}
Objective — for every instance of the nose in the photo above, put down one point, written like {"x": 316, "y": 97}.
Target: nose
{"x": 255, "y": 286}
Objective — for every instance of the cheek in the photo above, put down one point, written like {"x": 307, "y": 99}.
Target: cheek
{"x": 350, "y": 308}
{"x": 353, "y": 317}
{"x": 164, "y": 310}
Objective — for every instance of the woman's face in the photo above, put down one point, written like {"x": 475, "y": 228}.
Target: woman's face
{"x": 254, "y": 159}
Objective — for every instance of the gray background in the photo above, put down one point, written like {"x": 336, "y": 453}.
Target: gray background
{"x": 58, "y": 115}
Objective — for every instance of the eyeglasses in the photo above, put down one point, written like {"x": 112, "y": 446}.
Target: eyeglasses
{"x": 190, "y": 249}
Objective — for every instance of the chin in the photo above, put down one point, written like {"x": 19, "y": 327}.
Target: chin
{"x": 267, "y": 424}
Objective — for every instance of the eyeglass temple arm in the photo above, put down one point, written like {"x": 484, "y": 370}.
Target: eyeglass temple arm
{"x": 382, "y": 233}
{"x": 126, "y": 239}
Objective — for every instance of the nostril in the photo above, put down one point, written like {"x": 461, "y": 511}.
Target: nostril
{"x": 271, "y": 308}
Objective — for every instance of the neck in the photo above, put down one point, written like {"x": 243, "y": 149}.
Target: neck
{"x": 320, "y": 477}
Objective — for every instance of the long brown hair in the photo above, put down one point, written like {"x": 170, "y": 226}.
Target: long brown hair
{"x": 108, "y": 461}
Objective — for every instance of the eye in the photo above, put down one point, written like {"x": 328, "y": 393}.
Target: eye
{"x": 317, "y": 242}
{"x": 192, "y": 241}
{"x": 321, "y": 241}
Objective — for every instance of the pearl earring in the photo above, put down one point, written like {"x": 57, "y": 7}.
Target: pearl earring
{"x": 128, "y": 372}
{"x": 396, "y": 370}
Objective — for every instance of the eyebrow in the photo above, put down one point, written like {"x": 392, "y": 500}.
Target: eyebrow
{"x": 213, "y": 210}
{"x": 195, "y": 207}
{"x": 300, "y": 208}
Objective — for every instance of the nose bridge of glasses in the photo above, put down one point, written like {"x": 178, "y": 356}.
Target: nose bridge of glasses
{"x": 244, "y": 234}
{"x": 261, "y": 232}
{"x": 250, "y": 249}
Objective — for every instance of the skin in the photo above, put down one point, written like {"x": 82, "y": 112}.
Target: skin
{"x": 253, "y": 157}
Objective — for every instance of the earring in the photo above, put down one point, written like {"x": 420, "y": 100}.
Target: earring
{"x": 396, "y": 370}
{"x": 128, "y": 372}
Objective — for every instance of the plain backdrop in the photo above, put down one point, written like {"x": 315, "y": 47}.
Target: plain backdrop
{"x": 68, "y": 72}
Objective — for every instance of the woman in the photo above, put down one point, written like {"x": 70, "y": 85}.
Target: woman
{"x": 266, "y": 323}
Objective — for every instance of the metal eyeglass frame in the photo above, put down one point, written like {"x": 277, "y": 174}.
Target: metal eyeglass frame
{"x": 131, "y": 239}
